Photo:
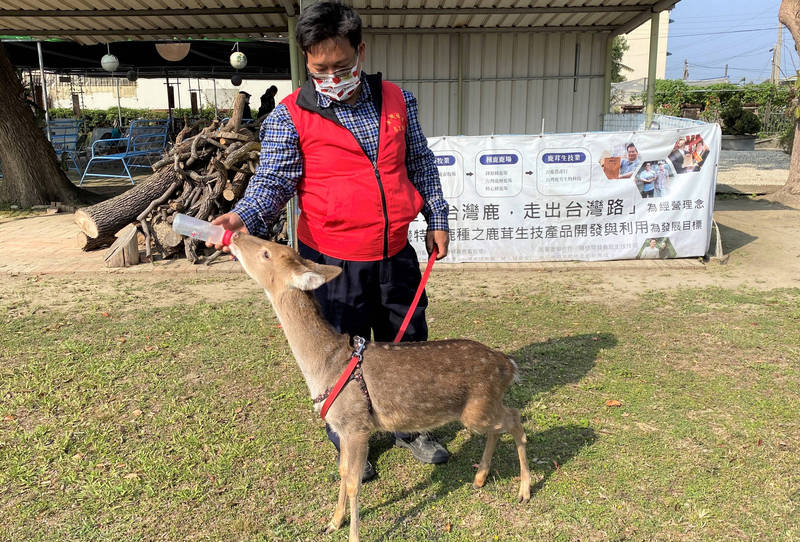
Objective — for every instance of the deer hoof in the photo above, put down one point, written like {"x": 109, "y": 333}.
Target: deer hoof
{"x": 524, "y": 496}
{"x": 329, "y": 528}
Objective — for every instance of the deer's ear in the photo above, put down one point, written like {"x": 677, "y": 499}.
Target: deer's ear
{"x": 329, "y": 272}
{"x": 313, "y": 275}
{"x": 307, "y": 280}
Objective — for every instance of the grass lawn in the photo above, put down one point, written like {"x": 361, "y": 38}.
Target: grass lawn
{"x": 122, "y": 418}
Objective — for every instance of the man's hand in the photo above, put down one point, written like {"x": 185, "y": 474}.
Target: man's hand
{"x": 229, "y": 221}
{"x": 440, "y": 239}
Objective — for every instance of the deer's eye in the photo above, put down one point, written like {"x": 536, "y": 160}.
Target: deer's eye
{"x": 265, "y": 255}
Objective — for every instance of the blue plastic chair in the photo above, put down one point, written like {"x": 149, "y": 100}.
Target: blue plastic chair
{"x": 146, "y": 139}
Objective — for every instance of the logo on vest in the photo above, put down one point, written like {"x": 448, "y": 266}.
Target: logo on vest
{"x": 396, "y": 122}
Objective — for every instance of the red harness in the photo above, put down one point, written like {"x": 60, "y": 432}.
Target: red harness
{"x": 359, "y": 345}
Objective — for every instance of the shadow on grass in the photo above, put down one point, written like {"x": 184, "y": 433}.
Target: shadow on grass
{"x": 543, "y": 367}
{"x": 547, "y": 451}
{"x": 555, "y": 362}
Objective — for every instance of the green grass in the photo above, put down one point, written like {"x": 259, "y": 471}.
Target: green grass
{"x": 190, "y": 421}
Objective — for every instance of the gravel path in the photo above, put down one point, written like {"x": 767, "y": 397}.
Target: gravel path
{"x": 753, "y": 167}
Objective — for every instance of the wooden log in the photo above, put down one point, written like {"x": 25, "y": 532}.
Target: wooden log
{"x": 125, "y": 250}
{"x": 238, "y": 110}
{"x": 107, "y": 217}
{"x": 86, "y": 243}
{"x": 235, "y": 188}
{"x": 168, "y": 239}
{"x": 184, "y": 131}
{"x": 242, "y": 154}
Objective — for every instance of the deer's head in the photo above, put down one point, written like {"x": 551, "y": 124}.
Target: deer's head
{"x": 277, "y": 267}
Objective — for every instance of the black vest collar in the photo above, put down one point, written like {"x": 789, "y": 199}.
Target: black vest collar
{"x": 307, "y": 97}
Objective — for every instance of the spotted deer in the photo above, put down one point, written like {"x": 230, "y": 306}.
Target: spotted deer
{"x": 412, "y": 386}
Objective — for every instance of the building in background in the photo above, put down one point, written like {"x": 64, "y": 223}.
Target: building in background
{"x": 637, "y": 57}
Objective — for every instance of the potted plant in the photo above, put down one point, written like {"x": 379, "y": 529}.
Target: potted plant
{"x": 739, "y": 127}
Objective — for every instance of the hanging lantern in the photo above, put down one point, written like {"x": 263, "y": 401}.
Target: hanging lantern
{"x": 236, "y": 79}
{"x": 173, "y": 51}
{"x": 132, "y": 75}
{"x": 109, "y": 62}
{"x": 238, "y": 60}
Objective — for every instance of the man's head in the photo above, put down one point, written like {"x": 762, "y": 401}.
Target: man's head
{"x": 681, "y": 143}
{"x": 630, "y": 148}
{"x": 272, "y": 90}
{"x": 246, "y": 95}
{"x": 329, "y": 34}
{"x": 647, "y": 166}
{"x": 325, "y": 21}
{"x": 652, "y": 243}
{"x": 661, "y": 166}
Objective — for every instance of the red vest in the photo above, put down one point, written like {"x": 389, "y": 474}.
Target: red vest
{"x": 350, "y": 208}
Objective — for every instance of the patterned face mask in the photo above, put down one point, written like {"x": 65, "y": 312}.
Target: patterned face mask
{"x": 339, "y": 85}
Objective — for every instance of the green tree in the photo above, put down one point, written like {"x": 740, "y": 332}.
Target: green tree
{"x": 618, "y": 49}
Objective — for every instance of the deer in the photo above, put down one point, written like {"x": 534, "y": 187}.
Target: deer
{"x": 412, "y": 386}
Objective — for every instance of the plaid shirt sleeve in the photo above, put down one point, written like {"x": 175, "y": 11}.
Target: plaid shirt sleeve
{"x": 279, "y": 170}
{"x": 422, "y": 171}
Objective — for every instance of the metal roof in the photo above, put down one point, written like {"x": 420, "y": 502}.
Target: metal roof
{"x": 91, "y": 22}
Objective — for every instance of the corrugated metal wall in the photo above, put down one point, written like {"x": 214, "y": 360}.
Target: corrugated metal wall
{"x": 510, "y": 80}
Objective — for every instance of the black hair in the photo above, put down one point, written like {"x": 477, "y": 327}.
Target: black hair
{"x": 326, "y": 20}
{"x": 629, "y": 145}
{"x": 273, "y": 88}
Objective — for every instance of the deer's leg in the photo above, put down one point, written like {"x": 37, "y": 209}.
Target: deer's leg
{"x": 486, "y": 459}
{"x": 513, "y": 425}
{"x": 339, "y": 511}
{"x": 357, "y": 447}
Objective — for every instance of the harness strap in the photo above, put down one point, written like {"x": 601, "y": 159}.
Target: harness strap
{"x": 359, "y": 344}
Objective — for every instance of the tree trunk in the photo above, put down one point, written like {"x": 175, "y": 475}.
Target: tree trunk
{"x": 32, "y": 174}
{"x": 103, "y": 220}
{"x": 789, "y": 15}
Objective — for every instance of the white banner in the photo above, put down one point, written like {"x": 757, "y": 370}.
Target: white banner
{"x": 594, "y": 196}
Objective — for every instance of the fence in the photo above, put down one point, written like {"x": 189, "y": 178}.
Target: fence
{"x": 773, "y": 120}
{"x": 635, "y": 122}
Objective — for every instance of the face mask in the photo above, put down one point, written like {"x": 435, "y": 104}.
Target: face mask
{"x": 339, "y": 85}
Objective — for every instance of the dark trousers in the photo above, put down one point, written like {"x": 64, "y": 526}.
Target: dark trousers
{"x": 371, "y": 299}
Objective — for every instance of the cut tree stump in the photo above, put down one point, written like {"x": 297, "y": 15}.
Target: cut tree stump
{"x": 125, "y": 250}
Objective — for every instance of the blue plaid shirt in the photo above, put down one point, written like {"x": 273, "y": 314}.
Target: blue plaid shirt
{"x": 280, "y": 166}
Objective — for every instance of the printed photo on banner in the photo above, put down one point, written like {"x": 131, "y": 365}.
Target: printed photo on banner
{"x": 621, "y": 162}
{"x": 656, "y": 248}
{"x": 689, "y": 154}
{"x": 654, "y": 178}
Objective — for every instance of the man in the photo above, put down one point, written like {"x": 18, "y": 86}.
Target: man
{"x": 651, "y": 251}
{"x": 246, "y": 113}
{"x": 648, "y": 178}
{"x": 662, "y": 180}
{"x": 628, "y": 165}
{"x": 352, "y": 148}
{"x": 267, "y": 101}
{"x": 678, "y": 156}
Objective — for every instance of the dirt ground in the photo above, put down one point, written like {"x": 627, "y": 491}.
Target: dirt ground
{"x": 760, "y": 242}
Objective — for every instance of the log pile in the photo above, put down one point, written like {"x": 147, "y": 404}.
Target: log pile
{"x": 203, "y": 175}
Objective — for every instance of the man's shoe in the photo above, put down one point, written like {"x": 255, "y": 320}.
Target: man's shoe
{"x": 369, "y": 471}
{"x": 424, "y": 448}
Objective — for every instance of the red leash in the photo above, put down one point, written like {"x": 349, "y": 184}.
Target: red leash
{"x": 414, "y": 303}
{"x": 360, "y": 343}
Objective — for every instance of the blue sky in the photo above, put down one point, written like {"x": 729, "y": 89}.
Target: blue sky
{"x": 740, "y": 33}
